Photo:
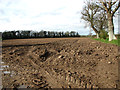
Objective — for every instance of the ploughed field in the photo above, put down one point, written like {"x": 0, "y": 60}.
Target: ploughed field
{"x": 59, "y": 63}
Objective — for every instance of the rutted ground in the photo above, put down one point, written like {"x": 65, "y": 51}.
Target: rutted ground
{"x": 66, "y": 63}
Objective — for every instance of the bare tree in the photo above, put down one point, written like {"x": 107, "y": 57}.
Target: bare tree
{"x": 110, "y": 6}
{"x": 100, "y": 21}
{"x": 95, "y": 16}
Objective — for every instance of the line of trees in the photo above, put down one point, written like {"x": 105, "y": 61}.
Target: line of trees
{"x": 22, "y": 34}
{"x": 99, "y": 15}
{"x": 95, "y": 16}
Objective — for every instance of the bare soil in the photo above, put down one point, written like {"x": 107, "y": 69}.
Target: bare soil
{"x": 60, "y": 63}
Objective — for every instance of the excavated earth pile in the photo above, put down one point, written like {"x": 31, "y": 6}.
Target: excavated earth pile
{"x": 66, "y": 63}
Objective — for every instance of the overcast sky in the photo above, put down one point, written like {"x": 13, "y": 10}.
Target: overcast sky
{"x": 48, "y": 15}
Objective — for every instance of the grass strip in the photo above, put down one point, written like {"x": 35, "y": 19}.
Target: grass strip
{"x": 116, "y": 42}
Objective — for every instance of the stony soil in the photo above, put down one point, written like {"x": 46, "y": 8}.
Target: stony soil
{"x": 60, "y": 63}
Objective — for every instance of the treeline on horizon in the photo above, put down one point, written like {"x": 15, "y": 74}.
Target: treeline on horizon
{"x": 23, "y": 34}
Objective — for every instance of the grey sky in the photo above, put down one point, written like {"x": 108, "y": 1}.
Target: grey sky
{"x": 49, "y": 15}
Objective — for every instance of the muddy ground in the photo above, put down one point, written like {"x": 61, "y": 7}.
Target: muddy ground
{"x": 60, "y": 63}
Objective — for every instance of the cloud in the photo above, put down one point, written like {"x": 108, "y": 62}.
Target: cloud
{"x": 2, "y": 12}
{"x": 6, "y": 20}
{"x": 55, "y": 15}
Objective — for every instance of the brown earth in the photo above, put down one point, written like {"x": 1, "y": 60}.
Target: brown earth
{"x": 60, "y": 63}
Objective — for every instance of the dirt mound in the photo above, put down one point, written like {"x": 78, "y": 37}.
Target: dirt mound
{"x": 66, "y": 63}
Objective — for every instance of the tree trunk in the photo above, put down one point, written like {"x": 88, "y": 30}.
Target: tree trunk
{"x": 114, "y": 37}
{"x": 111, "y": 28}
{"x": 110, "y": 35}
{"x": 97, "y": 35}
{"x": 95, "y": 30}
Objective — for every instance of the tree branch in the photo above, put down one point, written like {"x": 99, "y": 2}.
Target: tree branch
{"x": 104, "y": 3}
{"x": 114, "y": 2}
{"x": 110, "y": 4}
{"x": 117, "y": 7}
{"x": 96, "y": 31}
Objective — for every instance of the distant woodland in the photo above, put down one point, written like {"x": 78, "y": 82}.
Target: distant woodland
{"x": 23, "y": 34}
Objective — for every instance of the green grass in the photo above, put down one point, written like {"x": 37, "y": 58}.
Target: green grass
{"x": 116, "y": 42}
